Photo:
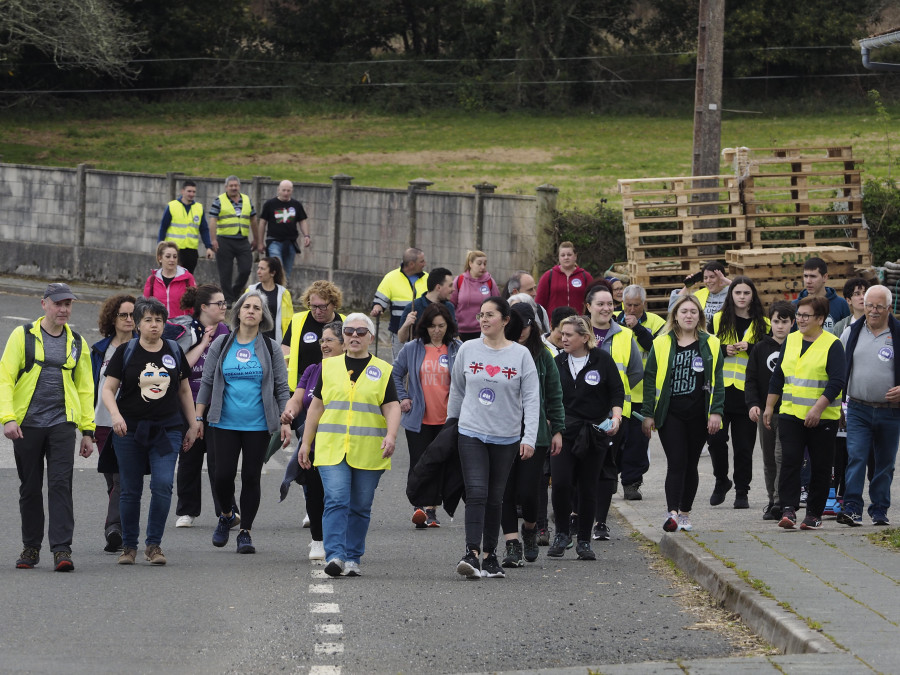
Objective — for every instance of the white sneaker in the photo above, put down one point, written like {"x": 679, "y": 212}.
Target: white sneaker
{"x": 316, "y": 550}
{"x": 351, "y": 569}
{"x": 684, "y": 522}
{"x": 305, "y": 521}
{"x": 184, "y": 521}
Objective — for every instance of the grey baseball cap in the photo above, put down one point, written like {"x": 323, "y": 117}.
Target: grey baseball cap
{"x": 58, "y": 292}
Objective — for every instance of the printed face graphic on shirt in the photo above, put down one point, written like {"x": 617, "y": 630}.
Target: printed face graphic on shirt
{"x": 154, "y": 382}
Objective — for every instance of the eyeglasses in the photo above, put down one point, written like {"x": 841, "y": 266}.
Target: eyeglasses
{"x": 221, "y": 304}
{"x": 804, "y": 317}
{"x": 360, "y": 331}
{"x": 877, "y": 308}
{"x": 326, "y": 341}
{"x": 486, "y": 315}
{"x": 320, "y": 308}
{"x": 125, "y": 315}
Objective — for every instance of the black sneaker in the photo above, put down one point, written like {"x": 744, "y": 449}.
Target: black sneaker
{"x": 583, "y": 550}
{"x": 431, "y": 520}
{"x": 573, "y": 527}
{"x": 788, "y": 518}
{"x": 776, "y": 512}
{"x": 470, "y": 566}
{"x": 632, "y": 492}
{"x": 28, "y": 558}
{"x": 560, "y": 543}
{"x": 113, "y": 541}
{"x": 490, "y": 568}
{"x": 768, "y": 512}
{"x": 335, "y": 567}
{"x": 62, "y": 561}
{"x": 220, "y": 535}
{"x": 719, "y": 492}
{"x": 513, "y": 557}
{"x": 740, "y": 500}
{"x": 529, "y": 543}
{"x": 849, "y": 518}
{"x": 543, "y": 536}
{"x": 880, "y": 518}
{"x": 601, "y": 532}
{"x": 811, "y": 522}
{"x": 245, "y": 543}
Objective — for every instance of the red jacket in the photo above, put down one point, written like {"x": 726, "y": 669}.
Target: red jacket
{"x": 169, "y": 295}
{"x": 556, "y": 290}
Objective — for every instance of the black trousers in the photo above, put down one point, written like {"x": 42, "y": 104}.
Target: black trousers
{"x": 818, "y": 441}
{"x": 418, "y": 441}
{"x": 567, "y": 471}
{"x": 522, "y": 489}
{"x": 743, "y": 440}
{"x": 682, "y": 441}
{"x": 228, "y": 445}
{"x": 606, "y": 485}
{"x": 187, "y": 258}
{"x": 189, "y": 481}
{"x": 632, "y": 458}
{"x": 56, "y": 446}
{"x": 315, "y": 502}
{"x": 233, "y": 249}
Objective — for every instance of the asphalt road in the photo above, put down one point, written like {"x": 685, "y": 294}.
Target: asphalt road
{"x": 212, "y": 611}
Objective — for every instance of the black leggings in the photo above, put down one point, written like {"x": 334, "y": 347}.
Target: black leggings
{"x": 568, "y": 470}
{"x": 682, "y": 441}
{"x": 743, "y": 440}
{"x": 522, "y": 488}
{"x": 606, "y": 486}
{"x": 228, "y": 445}
{"x": 417, "y": 442}
{"x": 315, "y": 502}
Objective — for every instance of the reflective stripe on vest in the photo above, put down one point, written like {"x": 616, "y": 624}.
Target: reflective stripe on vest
{"x": 184, "y": 230}
{"x": 734, "y": 368}
{"x": 663, "y": 347}
{"x": 352, "y": 425}
{"x": 297, "y": 323}
{"x": 801, "y": 393}
{"x": 620, "y": 351}
{"x": 229, "y": 223}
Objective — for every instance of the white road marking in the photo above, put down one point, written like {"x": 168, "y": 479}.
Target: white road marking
{"x": 18, "y": 318}
{"x": 330, "y": 628}
{"x": 321, "y": 588}
{"x": 324, "y": 608}
{"x": 325, "y": 670}
{"x": 318, "y": 574}
{"x": 329, "y": 648}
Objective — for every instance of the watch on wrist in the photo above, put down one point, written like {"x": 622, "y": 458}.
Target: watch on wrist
{"x": 198, "y": 418}
{"x": 88, "y": 434}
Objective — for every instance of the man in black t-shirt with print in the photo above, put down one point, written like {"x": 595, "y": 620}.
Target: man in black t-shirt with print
{"x": 278, "y": 225}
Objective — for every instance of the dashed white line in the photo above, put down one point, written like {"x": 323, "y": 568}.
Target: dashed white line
{"x": 318, "y": 574}
{"x": 321, "y": 588}
{"x": 324, "y": 608}
{"x": 330, "y": 628}
{"x": 329, "y": 648}
{"x": 325, "y": 670}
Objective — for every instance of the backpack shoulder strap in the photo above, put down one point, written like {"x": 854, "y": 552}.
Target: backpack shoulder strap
{"x": 29, "y": 350}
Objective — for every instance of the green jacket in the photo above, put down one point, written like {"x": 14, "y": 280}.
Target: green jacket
{"x": 552, "y": 410}
{"x": 713, "y": 381}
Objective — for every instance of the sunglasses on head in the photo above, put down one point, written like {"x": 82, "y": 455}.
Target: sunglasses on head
{"x": 360, "y": 332}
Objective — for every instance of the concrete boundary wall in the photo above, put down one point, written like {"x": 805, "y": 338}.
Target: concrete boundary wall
{"x": 99, "y": 226}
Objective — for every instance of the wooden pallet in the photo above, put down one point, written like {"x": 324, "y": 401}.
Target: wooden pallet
{"x": 789, "y": 255}
{"x": 777, "y": 272}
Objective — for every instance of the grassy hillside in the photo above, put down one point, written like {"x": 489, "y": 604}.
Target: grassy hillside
{"x": 581, "y": 154}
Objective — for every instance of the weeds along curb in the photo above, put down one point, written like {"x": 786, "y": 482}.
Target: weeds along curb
{"x": 779, "y": 627}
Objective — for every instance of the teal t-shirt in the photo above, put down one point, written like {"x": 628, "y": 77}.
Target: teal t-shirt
{"x": 242, "y": 405}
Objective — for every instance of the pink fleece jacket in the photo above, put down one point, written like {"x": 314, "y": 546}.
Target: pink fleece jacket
{"x": 169, "y": 295}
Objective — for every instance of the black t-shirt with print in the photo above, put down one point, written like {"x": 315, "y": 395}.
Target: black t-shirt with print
{"x": 282, "y": 219}
{"x": 687, "y": 382}
{"x": 149, "y": 385}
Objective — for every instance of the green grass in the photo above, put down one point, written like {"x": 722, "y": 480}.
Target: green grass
{"x": 582, "y": 154}
{"x": 889, "y": 538}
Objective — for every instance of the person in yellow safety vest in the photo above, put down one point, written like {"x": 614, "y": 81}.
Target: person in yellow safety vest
{"x": 353, "y": 418}
{"x": 617, "y": 341}
{"x": 232, "y": 218}
{"x": 397, "y": 289}
{"x": 715, "y": 290}
{"x": 634, "y": 461}
{"x": 684, "y": 399}
{"x": 184, "y": 224}
{"x": 808, "y": 379}
{"x": 46, "y": 392}
{"x": 300, "y": 343}
{"x": 739, "y": 326}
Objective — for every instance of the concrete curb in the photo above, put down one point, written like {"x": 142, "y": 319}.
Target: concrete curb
{"x": 781, "y": 628}
{"x": 32, "y": 286}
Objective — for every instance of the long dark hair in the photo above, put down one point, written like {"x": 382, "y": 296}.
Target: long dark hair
{"x": 276, "y": 269}
{"x": 435, "y": 309}
{"x": 520, "y": 316}
{"x": 728, "y": 322}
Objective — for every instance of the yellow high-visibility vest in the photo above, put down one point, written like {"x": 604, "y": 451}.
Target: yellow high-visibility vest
{"x": 663, "y": 347}
{"x": 806, "y": 376}
{"x": 184, "y": 231}
{"x": 229, "y": 223}
{"x": 620, "y": 351}
{"x": 734, "y": 368}
{"x": 293, "y": 359}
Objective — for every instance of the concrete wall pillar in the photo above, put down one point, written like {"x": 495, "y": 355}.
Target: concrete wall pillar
{"x": 338, "y": 182}
{"x": 80, "y": 198}
{"x": 172, "y": 178}
{"x": 416, "y": 185}
{"x": 543, "y": 223}
{"x": 481, "y": 190}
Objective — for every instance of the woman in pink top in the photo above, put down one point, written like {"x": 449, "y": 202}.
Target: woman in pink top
{"x": 168, "y": 283}
{"x": 470, "y": 290}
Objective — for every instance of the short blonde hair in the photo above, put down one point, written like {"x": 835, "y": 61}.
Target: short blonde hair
{"x": 471, "y": 256}
{"x": 580, "y": 324}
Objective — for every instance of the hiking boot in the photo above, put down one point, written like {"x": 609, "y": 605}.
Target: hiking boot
{"x": 513, "y": 557}
{"x": 632, "y": 492}
{"x": 62, "y": 561}
{"x": 470, "y": 565}
{"x": 419, "y": 517}
{"x": 880, "y": 518}
{"x": 670, "y": 524}
{"x": 335, "y": 567}
{"x": 529, "y": 543}
{"x": 113, "y": 541}
{"x": 788, "y": 518}
{"x": 560, "y": 543}
{"x": 768, "y": 512}
{"x": 601, "y": 532}
{"x": 811, "y": 522}
{"x": 719, "y": 492}
{"x": 849, "y": 518}
{"x": 127, "y": 556}
{"x": 220, "y": 535}
{"x": 490, "y": 568}
{"x": 245, "y": 543}
{"x": 684, "y": 522}
{"x": 154, "y": 555}
{"x": 740, "y": 500}
{"x": 28, "y": 558}
{"x": 431, "y": 520}
{"x": 583, "y": 550}
{"x": 543, "y": 536}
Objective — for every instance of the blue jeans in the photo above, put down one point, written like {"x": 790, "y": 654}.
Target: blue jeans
{"x": 348, "y": 507}
{"x": 133, "y": 461}
{"x": 284, "y": 251}
{"x": 875, "y": 430}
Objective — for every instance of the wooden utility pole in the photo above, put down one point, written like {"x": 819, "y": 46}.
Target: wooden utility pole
{"x": 708, "y": 89}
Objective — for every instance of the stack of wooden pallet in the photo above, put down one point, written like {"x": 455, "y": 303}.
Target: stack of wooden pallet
{"x": 777, "y": 273}
{"x": 802, "y": 197}
{"x": 674, "y": 225}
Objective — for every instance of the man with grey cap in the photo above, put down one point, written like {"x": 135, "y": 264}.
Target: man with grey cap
{"x": 231, "y": 219}
{"x": 278, "y": 224}
{"x": 46, "y": 391}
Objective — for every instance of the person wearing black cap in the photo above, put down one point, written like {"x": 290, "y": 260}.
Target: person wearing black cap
{"x": 46, "y": 391}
